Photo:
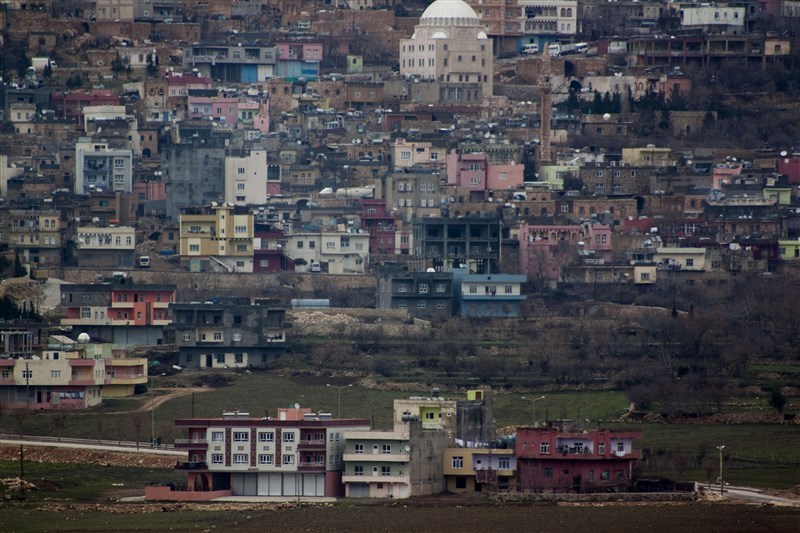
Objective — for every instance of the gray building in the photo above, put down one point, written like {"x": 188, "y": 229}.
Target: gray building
{"x": 423, "y": 294}
{"x": 228, "y": 334}
{"x": 193, "y": 173}
{"x": 443, "y": 243}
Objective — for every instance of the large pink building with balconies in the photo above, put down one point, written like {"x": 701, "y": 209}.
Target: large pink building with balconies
{"x": 474, "y": 172}
{"x": 544, "y": 248}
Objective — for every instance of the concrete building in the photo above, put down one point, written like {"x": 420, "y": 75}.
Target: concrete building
{"x": 298, "y": 453}
{"x": 564, "y": 456}
{"x": 422, "y": 294}
{"x": 99, "y": 167}
{"x": 231, "y": 334}
{"x": 445, "y": 243}
{"x": 489, "y": 295}
{"x": 246, "y": 178}
{"x": 450, "y": 46}
{"x": 38, "y": 236}
{"x": 479, "y": 469}
{"x": 231, "y": 63}
{"x": 106, "y": 247}
{"x": 217, "y": 237}
{"x": 118, "y": 311}
{"x": 335, "y": 250}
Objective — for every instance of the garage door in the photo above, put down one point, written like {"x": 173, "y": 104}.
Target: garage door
{"x": 359, "y": 490}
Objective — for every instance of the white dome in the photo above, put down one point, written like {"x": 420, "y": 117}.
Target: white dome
{"x": 439, "y": 35}
{"x": 448, "y": 12}
{"x": 482, "y": 35}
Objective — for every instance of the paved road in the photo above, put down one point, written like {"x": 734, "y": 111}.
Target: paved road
{"x": 92, "y": 445}
{"x": 751, "y": 495}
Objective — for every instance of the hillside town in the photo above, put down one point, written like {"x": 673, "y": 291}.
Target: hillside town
{"x": 432, "y": 193}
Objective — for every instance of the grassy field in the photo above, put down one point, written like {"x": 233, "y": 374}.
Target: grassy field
{"x": 81, "y": 482}
{"x": 406, "y": 516}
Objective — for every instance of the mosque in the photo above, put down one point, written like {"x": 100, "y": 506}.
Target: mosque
{"x": 450, "y": 47}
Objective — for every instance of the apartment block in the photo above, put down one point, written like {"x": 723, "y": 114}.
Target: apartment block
{"x": 218, "y": 237}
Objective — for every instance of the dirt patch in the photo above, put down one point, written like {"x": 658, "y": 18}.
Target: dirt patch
{"x": 44, "y": 454}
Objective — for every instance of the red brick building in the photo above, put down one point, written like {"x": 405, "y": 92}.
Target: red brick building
{"x": 565, "y": 457}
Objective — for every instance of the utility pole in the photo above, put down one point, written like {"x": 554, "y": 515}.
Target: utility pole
{"x": 22, "y": 470}
{"x": 721, "y": 483}
{"x": 339, "y": 401}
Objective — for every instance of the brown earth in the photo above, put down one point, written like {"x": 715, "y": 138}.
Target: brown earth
{"x": 44, "y": 454}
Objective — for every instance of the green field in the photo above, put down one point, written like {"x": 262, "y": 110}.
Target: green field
{"x": 763, "y": 455}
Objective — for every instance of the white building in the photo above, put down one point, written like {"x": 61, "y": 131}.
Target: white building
{"x": 449, "y": 45}
{"x": 99, "y": 167}
{"x": 705, "y": 16}
{"x": 343, "y": 253}
{"x": 550, "y": 17}
{"x": 246, "y": 178}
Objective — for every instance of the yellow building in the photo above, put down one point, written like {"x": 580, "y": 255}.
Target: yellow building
{"x": 472, "y": 469}
{"x": 219, "y": 237}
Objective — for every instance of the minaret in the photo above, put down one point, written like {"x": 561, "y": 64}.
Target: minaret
{"x": 545, "y": 106}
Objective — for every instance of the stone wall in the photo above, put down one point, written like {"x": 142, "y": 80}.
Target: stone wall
{"x": 595, "y": 498}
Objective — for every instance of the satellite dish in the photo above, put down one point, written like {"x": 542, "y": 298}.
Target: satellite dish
{"x": 784, "y": 153}
{"x": 606, "y": 116}
{"x": 176, "y": 367}
{"x": 297, "y": 406}
{"x": 84, "y": 338}
{"x": 408, "y": 448}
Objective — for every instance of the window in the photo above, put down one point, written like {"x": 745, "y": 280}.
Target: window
{"x": 423, "y": 288}
{"x": 502, "y": 176}
{"x": 237, "y": 337}
{"x": 238, "y": 358}
{"x": 544, "y": 447}
{"x": 288, "y": 437}
{"x": 620, "y": 447}
{"x": 359, "y": 448}
{"x": 458, "y": 462}
{"x": 187, "y": 336}
{"x": 508, "y": 289}
{"x": 265, "y": 459}
{"x": 240, "y": 436}
{"x": 386, "y": 448}
{"x": 266, "y": 436}
{"x": 5, "y": 374}
{"x": 548, "y": 471}
{"x": 217, "y": 335}
{"x": 402, "y": 287}
{"x": 422, "y": 304}
{"x": 599, "y": 188}
{"x": 27, "y": 374}
{"x": 405, "y": 154}
{"x": 216, "y": 458}
{"x": 601, "y": 448}
{"x": 434, "y": 156}
{"x": 386, "y": 470}
{"x": 689, "y": 262}
{"x": 504, "y": 463}
{"x": 473, "y": 289}
{"x": 194, "y": 247}
{"x": 358, "y": 470}
{"x": 55, "y": 374}
{"x": 288, "y": 459}
{"x": 240, "y": 458}
{"x": 402, "y": 304}
{"x": 440, "y": 304}
{"x": 86, "y": 312}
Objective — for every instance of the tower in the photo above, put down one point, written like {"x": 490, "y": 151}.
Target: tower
{"x": 545, "y": 107}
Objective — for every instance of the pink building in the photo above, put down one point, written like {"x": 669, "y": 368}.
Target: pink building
{"x": 563, "y": 457}
{"x": 474, "y": 172}
{"x": 380, "y": 225}
{"x": 147, "y": 191}
{"x": 723, "y": 174}
{"x": 220, "y": 106}
{"x": 261, "y": 123}
{"x": 545, "y": 249}
{"x": 70, "y": 105}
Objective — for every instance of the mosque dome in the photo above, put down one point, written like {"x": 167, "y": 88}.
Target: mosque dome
{"x": 449, "y": 12}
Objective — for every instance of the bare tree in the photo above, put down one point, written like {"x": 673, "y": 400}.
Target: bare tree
{"x": 137, "y": 426}
{"x": 59, "y": 422}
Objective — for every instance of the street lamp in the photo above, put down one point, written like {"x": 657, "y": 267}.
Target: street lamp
{"x": 533, "y": 401}
{"x": 339, "y": 388}
{"x": 721, "y": 484}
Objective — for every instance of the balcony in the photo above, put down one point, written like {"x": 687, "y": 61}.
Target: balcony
{"x": 194, "y": 444}
{"x": 376, "y": 457}
{"x": 311, "y": 466}
{"x": 309, "y": 445}
{"x": 191, "y": 465}
{"x": 375, "y": 479}
{"x": 122, "y": 305}
{"x": 81, "y": 362}
{"x": 127, "y": 380}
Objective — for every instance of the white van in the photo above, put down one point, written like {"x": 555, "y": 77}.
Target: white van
{"x": 144, "y": 261}
{"x": 530, "y": 49}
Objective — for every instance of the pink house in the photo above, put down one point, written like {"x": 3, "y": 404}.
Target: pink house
{"x": 473, "y": 171}
{"x": 219, "y": 106}
{"x": 723, "y": 174}
{"x": 790, "y": 167}
{"x": 545, "y": 249}
{"x": 147, "y": 191}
